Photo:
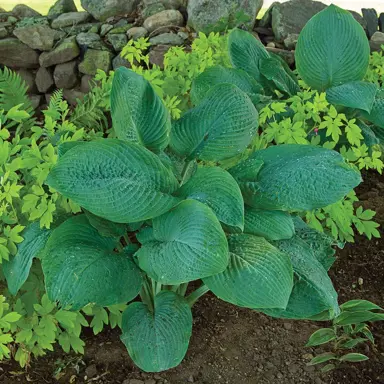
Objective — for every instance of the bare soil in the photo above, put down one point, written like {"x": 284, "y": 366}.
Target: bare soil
{"x": 231, "y": 345}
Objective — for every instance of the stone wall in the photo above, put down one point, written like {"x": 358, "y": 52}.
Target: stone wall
{"x": 65, "y": 48}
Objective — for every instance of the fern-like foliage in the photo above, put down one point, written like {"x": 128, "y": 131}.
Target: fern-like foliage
{"x": 13, "y": 91}
{"x": 90, "y": 113}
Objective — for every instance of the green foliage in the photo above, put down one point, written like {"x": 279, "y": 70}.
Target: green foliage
{"x": 122, "y": 181}
{"x": 349, "y": 331}
{"x": 375, "y": 73}
{"x": 163, "y": 191}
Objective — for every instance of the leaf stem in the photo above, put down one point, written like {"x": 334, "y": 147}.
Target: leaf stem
{"x": 183, "y": 289}
{"x": 184, "y": 172}
{"x": 195, "y": 295}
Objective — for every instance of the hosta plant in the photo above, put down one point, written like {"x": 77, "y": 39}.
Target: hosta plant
{"x": 169, "y": 203}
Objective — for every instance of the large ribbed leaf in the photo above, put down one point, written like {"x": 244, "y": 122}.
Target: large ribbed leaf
{"x": 356, "y": 94}
{"x": 296, "y": 177}
{"x": 320, "y": 243}
{"x": 368, "y": 133}
{"x": 272, "y": 225}
{"x": 376, "y": 116}
{"x": 158, "y": 340}
{"x": 332, "y": 49}
{"x": 313, "y": 291}
{"x": 272, "y": 69}
{"x": 138, "y": 113}
{"x": 218, "y": 189}
{"x": 16, "y": 270}
{"x": 245, "y": 52}
{"x": 219, "y": 75}
{"x": 220, "y": 127}
{"x": 81, "y": 267}
{"x": 258, "y": 274}
{"x": 189, "y": 244}
{"x": 119, "y": 181}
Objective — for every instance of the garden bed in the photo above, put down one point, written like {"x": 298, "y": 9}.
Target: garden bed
{"x": 234, "y": 345}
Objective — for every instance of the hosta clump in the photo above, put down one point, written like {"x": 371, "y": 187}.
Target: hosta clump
{"x": 327, "y": 62}
{"x": 161, "y": 210}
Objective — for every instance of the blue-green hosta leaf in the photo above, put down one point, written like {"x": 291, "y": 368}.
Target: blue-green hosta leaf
{"x": 190, "y": 244}
{"x": 376, "y": 116}
{"x": 332, "y": 49}
{"x": 119, "y": 181}
{"x": 258, "y": 274}
{"x": 220, "y": 127}
{"x": 216, "y": 188}
{"x": 320, "y": 243}
{"x": 219, "y": 75}
{"x": 16, "y": 270}
{"x": 63, "y": 148}
{"x": 105, "y": 227}
{"x": 81, "y": 267}
{"x": 272, "y": 225}
{"x": 355, "y": 94}
{"x": 138, "y": 113}
{"x": 245, "y": 52}
{"x": 297, "y": 177}
{"x": 313, "y": 291}
{"x": 368, "y": 133}
{"x": 273, "y": 70}
{"x": 158, "y": 340}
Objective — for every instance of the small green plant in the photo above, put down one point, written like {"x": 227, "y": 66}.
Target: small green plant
{"x": 348, "y": 332}
{"x": 161, "y": 211}
{"x": 375, "y": 73}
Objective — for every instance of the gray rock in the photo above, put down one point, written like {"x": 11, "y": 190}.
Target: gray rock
{"x": 218, "y": 15}
{"x": 381, "y": 22}
{"x": 291, "y": 40}
{"x": 266, "y": 20}
{"x": 120, "y": 30}
{"x": 174, "y": 4}
{"x": 90, "y": 40}
{"x": 22, "y": 10}
{"x": 105, "y": 28}
{"x": 14, "y": 53}
{"x": 3, "y": 32}
{"x": 359, "y": 19}
{"x": 71, "y": 18}
{"x": 119, "y": 61}
{"x": 87, "y": 27}
{"x": 377, "y": 40}
{"x": 29, "y": 79}
{"x": 152, "y": 9}
{"x": 35, "y": 100}
{"x": 12, "y": 20}
{"x": 66, "y": 51}
{"x": 86, "y": 83}
{"x": 156, "y": 55}
{"x": 167, "y": 39}
{"x": 118, "y": 41}
{"x": 371, "y": 18}
{"x": 121, "y": 23}
{"x": 72, "y": 96}
{"x": 291, "y": 17}
{"x": 164, "y": 19}
{"x": 94, "y": 60}
{"x": 103, "y": 9}
{"x": 37, "y": 36}
{"x": 65, "y": 75}
{"x": 136, "y": 32}
{"x": 44, "y": 80}
{"x": 59, "y": 35}
{"x": 60, "y": 7}
{"x": 28, "y": 21}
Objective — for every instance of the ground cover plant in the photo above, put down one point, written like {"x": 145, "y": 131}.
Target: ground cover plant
{"x": 161, "y": 203}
